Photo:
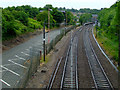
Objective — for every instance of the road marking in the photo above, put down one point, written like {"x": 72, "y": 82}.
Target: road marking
{"x": 25, "y": 54}
{"x": 2, "y": 71}
{"x": 7, "y": 64}
{"x": 19, "y": 57}
{"x": 10, "y": 70}
{"x": 28, "y": 49}
{"x": 17, "y": 64}
{"x": 5, "y": 82}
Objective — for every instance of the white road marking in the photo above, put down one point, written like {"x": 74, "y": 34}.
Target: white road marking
{"x": 5, "y": 82}
{"x": 2, "y": 71}
{"x": 28, "y": 49}
{"x": 10, "y": 70}
{"x": 19, "y": 57}
{"x": 7, "y": 64}
{"x": 17, "y": 64}
{"x": 13, "y": 59}
{"x": 25, "y": 53}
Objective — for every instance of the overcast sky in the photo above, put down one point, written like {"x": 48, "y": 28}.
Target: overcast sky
{"x": 76, "y": 4}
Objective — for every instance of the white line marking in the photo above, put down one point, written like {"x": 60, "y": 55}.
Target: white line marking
{"x": 17, "y": 64}
{"x": 7, "y": 64}
{"x": 5, "y": 82}
{"x": 13, "y": 59}
{"x": 25, "y": 53}
{"x": 28, "y": 49}
{"x": 19, "y": 57}
{"x": 2, "y": 71}
{"x": 10, "y": 70}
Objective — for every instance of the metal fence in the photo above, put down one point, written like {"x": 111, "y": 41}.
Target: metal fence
{"x": 25, "y": 64}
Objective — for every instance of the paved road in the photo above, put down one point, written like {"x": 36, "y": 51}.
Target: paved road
{"x": 13, "y": 59}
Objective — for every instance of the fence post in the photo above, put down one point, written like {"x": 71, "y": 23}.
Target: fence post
{"x": 40, "y": 55}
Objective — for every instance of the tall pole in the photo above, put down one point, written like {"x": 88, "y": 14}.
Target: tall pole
{"x": 44, "y": 42}
{"x": 48, "y": 24}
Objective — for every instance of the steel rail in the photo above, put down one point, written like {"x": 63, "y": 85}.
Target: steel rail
{"x": 54, "y": 74}
{"x": 66, "y": 61}
{"x": 98, "y": 85}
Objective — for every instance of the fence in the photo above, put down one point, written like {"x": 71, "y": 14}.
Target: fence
{"x": 29, "y": 62}
{"x": 51, "y": 45}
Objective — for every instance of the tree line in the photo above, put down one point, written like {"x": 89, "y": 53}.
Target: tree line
{"x": 21, "y": 19}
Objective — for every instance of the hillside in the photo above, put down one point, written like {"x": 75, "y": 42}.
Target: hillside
{"x": 107, "y": 33}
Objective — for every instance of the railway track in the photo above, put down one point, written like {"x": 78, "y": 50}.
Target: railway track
{"x": 100, "y": 78}
{"x": 69, "y": 76}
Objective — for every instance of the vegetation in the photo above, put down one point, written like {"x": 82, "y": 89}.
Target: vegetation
{"x": 85, "y": 18}
{"x": 84, "y": 10}
{"x": 21, "y": 19}
{"x": 107, "y": 33}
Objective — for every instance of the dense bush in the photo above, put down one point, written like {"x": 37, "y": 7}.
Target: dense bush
{"x": 21, "y": 19}
{"x": 85, "y": 18}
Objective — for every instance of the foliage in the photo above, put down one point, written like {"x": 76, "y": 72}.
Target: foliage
{"x": 43, "y": 17}
{"x": 21, "y": 19}
{"x": 84, "y": 10}
{"x": 48, "y": 6}
{"x": 109, "y": 21}
{"x": 34, "y": 24}
{"x": 57, "y": 15}
{"x": 85, "y": 18}
{"x": 21, "y": 16}
{"x": 88, "y": 10}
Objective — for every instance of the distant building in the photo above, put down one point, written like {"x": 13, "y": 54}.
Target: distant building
{"x": 94, "y": 17}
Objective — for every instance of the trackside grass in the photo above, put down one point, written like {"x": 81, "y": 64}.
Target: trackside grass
{"x": 110, "y": 46}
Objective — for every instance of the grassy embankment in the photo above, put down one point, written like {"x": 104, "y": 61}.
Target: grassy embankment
{"x": 110, "y": 46}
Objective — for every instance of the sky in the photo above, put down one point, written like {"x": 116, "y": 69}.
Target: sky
{"x": 76, "y": 4}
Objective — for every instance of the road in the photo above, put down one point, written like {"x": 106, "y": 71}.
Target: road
{"x": 13, "y": 59}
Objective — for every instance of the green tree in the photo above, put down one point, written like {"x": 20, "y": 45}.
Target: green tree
{"x": 48, "y": 6}
{"x": 85, "y": 18}
{"x": 21, "y": 16}
{"x": 57, "y": 15}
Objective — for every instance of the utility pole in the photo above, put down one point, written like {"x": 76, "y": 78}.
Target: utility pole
{"x": 48, "y": 24}
{"x": 44, "y": 42}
